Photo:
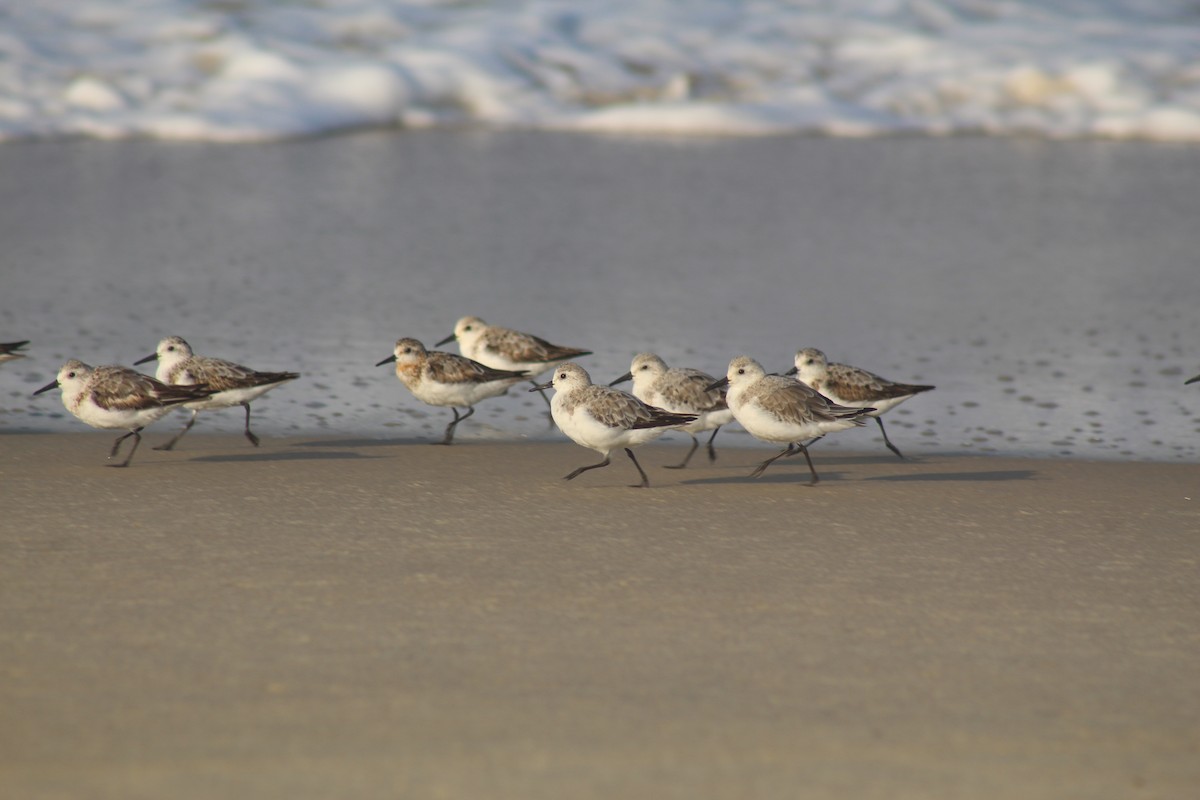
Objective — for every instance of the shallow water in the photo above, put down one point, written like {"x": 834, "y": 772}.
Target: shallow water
{"x": 1048, "y": 290}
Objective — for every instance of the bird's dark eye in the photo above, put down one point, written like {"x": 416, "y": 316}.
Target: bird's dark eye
{"x": 741, "y": 372}
{"x": 810, "y": 361}
{"x": 562, "y": 375}
{"x": 70, "y": 374}
{"x": 467, "y": 328}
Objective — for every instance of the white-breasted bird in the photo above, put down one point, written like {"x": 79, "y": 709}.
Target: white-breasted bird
{"x": 853, "y": 387}
{"x": 448, "y": 380}
{"x": 505, "y": 348}
{"x": 118, "y": 398}
{"x": 232, "y": 384}
{"x": 602, "y": 418}
{"x": 781, "y": 410}
{"x": 682, "y": 390}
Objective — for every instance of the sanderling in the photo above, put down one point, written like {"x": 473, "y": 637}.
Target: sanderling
{"x": 8, "y": 350}
{"x": 853, "y": 387}
{"x": 603, "y": 419}
{"x": 115, "y": 397}
{"x": 681, "y": 390}
{"x": 778, "y": 409}
{"x": 232, "y": 384}
{"x": 503, "y": 348}
{"x": 448, "y": 380}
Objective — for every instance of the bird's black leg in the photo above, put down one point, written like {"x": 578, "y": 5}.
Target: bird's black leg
{"x": 581, "y": 470}
{"x": 449, "y": 437}
{"x": 791, "y": 448}
{"x": 886, "y": 440}
{"x": 179, "y": 435}
{"x": 253, "y": 439}
{"x": 811, "y": 468}
{"x": 645, "y": 481}
{"x": 712, "y": 451}
{"x": 137, "y": 439}
{"x": 688, "y": 457}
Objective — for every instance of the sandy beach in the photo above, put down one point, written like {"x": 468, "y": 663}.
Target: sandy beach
{"x": 328, "y": 617}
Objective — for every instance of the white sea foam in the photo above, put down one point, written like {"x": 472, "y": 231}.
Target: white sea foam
{"x": 251, "y": 70}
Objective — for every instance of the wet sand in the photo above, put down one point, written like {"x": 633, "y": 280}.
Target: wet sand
{"x": 359, "y": 618}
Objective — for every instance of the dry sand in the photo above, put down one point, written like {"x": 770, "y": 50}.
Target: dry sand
{"x": 353, "y": 618}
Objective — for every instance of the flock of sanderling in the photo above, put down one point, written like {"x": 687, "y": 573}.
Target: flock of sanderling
{"x": 119, "y": 398}
{"x": 813, "y": 399}
{"x": 821, "y": 399}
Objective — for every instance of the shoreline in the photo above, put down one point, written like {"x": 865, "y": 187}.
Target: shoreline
{"x": 234, "y": 447}
{"x": 331, "y": 615}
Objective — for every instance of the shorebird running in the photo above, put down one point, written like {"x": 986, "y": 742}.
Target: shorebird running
{"x": 681, "y": 390}
{"x": 8, "y": 350}
{"x": 115, "y": 397}
{"x": 447, "y": 380}
{"x": 231, "y": 384}
{"x": 503, "y": 348}
{"x": 603, "y": 419}
{"x": 853, "y": 387}
{"x": 778, "y": 409}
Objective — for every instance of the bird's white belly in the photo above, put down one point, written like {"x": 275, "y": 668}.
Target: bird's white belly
{"x": 709, "y": 420}
{"x": 122, "y": 419}
{"x": 587, "y": 431}
{"x": 231, "y": 397}
{"x": 496, "y": 360}
{"x": 766, "y": 426}
{"x": 458, "y": 394}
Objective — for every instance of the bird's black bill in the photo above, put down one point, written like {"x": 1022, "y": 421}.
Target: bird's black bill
{"x": 387, "y": 360}
{"x": 628, "y": 376}
{"x": 792, "y": 371}
{"x": 449, "y": 338}
{"x": 717, "y": 384}
{"x": 151, "y": 357}
{"x": 541, "y": 387}
{"x": 51, "y": 385}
